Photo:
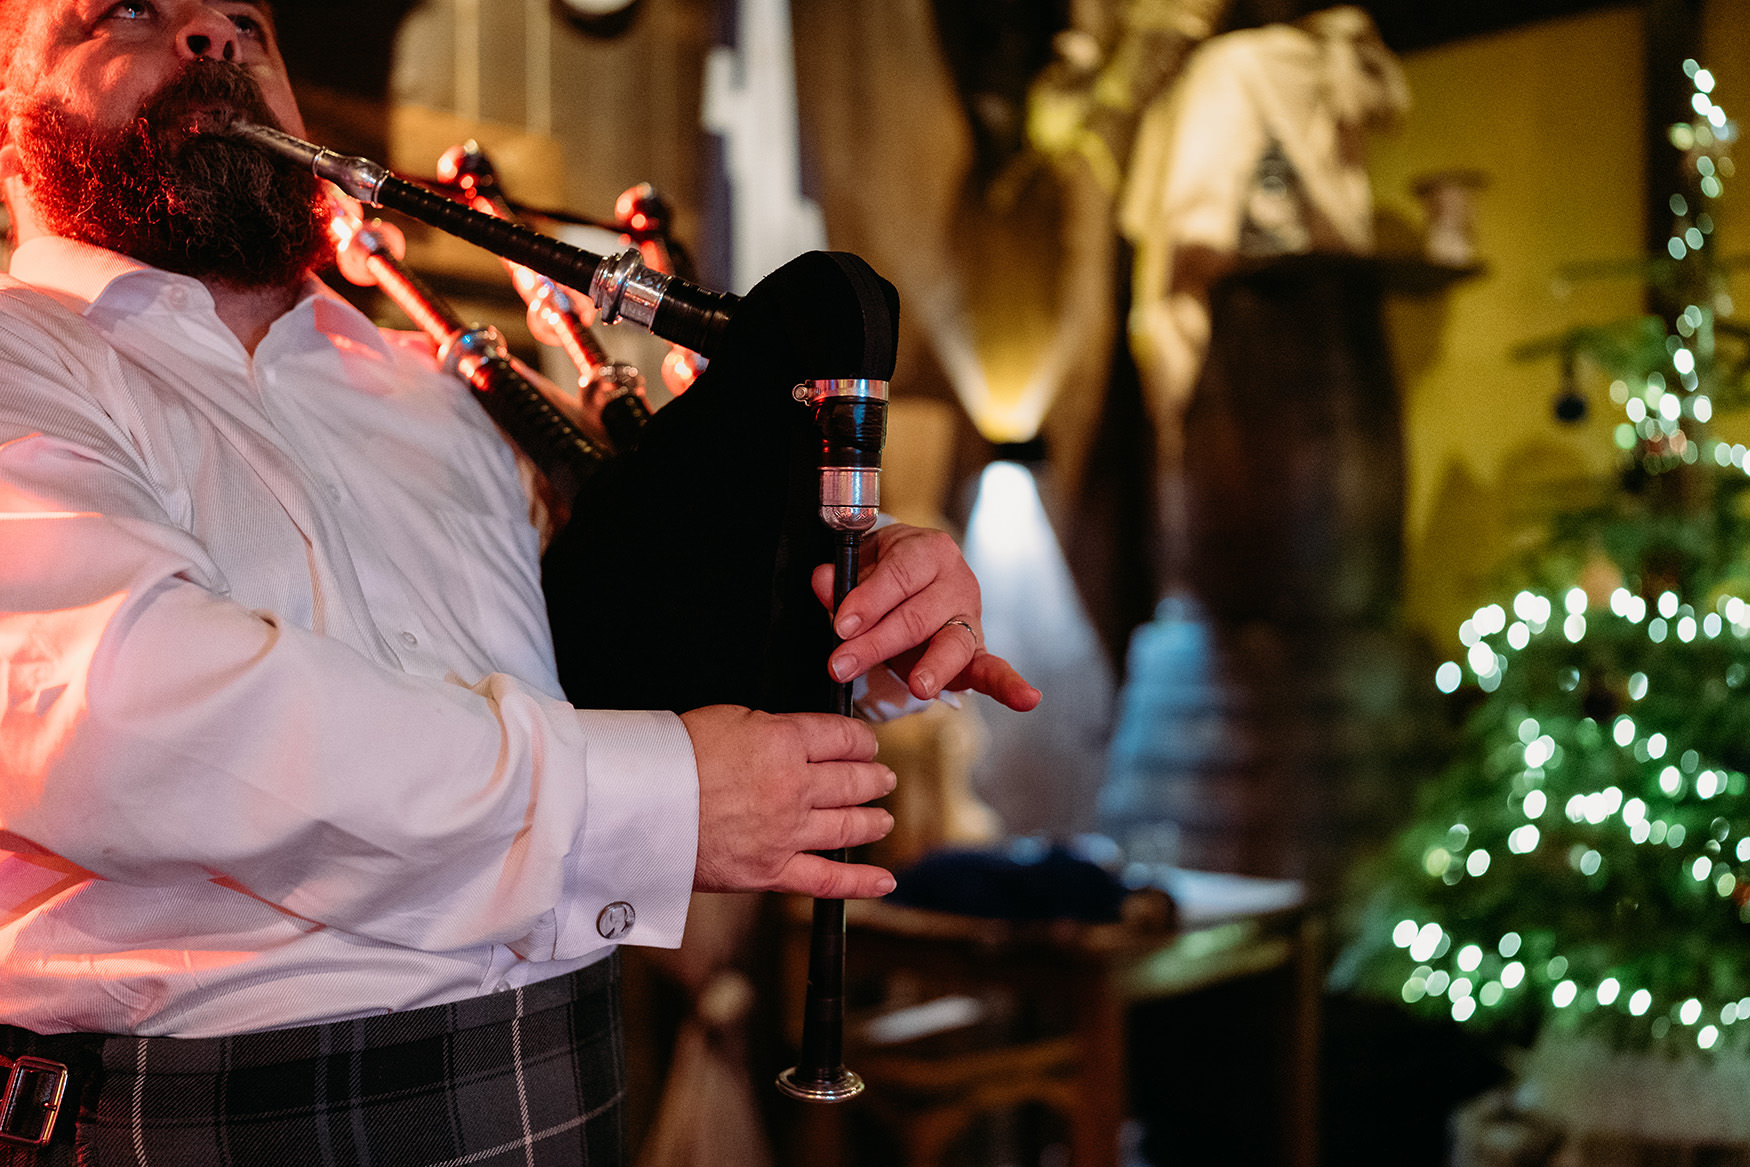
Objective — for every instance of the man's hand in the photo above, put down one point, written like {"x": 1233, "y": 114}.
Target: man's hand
{"x": 919, "y": 610}
{"x": 774, "y": 787}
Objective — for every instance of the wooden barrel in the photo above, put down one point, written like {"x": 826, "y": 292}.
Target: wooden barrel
{"x": 1293, "y": 467}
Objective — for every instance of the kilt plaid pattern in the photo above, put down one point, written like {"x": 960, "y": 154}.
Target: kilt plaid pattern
{"x": 530, "y": 1077}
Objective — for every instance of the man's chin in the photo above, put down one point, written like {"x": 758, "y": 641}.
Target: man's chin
{"x": 292, "y": 277}
{"x": 239, "y": 269}
{"x": 253, "y": 252}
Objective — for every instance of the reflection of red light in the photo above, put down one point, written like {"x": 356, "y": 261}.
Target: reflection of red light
{"x": 640, "y": 221}
{"x": 345, "y": 224}
{"x": 680, "y": 368}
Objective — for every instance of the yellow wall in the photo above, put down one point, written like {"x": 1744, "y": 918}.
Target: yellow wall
{"x": 1552, "y": 115}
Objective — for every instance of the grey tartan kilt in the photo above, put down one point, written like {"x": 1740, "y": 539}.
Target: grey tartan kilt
{"x": 531, "y": 1076}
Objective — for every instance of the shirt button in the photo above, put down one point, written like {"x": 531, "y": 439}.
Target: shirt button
{"x": 178, "y": 297}
{"x": 410, "y": 640}
{"x": 616, "y": 920}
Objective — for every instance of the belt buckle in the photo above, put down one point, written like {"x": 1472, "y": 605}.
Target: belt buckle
{"x": 32, "y": 1099}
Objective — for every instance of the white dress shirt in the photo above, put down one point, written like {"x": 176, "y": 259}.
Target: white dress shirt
{"x": 281, "y": 740}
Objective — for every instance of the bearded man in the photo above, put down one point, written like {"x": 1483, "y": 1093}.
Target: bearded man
{"x": 303, "y": 857}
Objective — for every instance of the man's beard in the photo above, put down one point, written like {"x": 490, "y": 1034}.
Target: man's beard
{"x": 202, "y": 204}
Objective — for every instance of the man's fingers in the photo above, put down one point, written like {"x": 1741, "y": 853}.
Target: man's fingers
{"x": 775, "y": 786}
{"x": 820, "y": 877}
{"x": 844, "y": 826}
{"x": 911, "y": 562}
{"x": 829, "y": 737}
{"x": 947, "y": 655}
{"x": 821, "y": 582}
{"x": 929, "y": 622}
{"x": 997, "y": 678}
{"x": 836, "y": 784}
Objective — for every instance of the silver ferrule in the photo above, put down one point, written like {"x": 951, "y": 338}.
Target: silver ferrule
{"x": 463, "y": 353}
{"x": 850, "y": 500}
{"x": 623, "y": 288}
{"x": 611, "y": 382}
{"x": 815, "y": 392}
{"x": 850, "y": 497}
{"x": 359, "y": 177}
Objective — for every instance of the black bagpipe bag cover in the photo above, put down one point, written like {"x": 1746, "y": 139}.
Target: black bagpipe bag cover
{"x": 682, "y": 576}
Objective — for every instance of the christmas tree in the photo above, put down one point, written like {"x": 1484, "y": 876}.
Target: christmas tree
{"x": 1581, "y": 870}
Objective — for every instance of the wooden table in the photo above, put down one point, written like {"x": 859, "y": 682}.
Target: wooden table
{"x": 1084, "y": 976}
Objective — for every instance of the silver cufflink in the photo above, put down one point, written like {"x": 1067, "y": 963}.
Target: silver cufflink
{"x": 615, "y": 920}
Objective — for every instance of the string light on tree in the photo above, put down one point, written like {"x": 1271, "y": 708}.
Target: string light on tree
{"x": 1583, "y": 867}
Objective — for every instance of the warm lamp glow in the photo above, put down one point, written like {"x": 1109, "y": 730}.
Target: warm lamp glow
{"x": 1010, "y": 536}
{"x": 1006, "y": 392}
{"x": 1042, "y": 771}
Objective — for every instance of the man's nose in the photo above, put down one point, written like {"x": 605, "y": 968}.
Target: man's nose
{"x": 208, "y": 33}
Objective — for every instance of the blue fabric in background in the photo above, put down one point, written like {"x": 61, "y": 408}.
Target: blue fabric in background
{"x": 1057, "y": 885}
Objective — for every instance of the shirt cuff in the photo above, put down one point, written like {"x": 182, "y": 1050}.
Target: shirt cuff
{"x": 882, "y": 695}
{"x": 631, "y": 872}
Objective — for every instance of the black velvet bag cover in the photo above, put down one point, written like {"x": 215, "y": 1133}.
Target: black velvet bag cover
{"x": 682, "y": 578}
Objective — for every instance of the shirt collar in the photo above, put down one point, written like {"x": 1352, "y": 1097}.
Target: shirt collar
{"x": 82, "y": 275}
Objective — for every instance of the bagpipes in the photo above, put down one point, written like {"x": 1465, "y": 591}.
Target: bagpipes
{"x": 716, "y": 508}
{"x": 558, "y": 317}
